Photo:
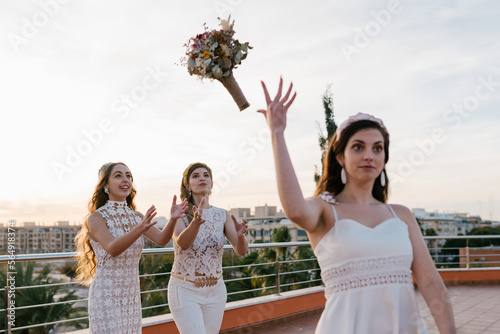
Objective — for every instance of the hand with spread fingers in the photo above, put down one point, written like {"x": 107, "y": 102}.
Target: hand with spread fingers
{"x": 197, "y": 213}
{"x": 147, "y": 221}
{"x": 178, "y": 210}
{"x": 241, "y": 228}
{"x": 278, "y": 107}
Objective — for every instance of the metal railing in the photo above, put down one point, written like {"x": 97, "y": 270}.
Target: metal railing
{"x": 472, "y": 257}
{"x": 276, "y": 275}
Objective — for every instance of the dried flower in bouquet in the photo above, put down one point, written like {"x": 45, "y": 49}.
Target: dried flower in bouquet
{"x": 214, "y": 54}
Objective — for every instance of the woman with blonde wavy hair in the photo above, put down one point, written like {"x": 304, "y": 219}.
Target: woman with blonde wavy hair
{"x": 109, "y": 248}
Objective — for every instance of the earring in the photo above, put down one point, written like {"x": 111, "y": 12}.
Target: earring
{"x": 190, "y": 193}
{"x": 106, "y": 191}
{"x": 343, "y": 176}
{"x": 382, "y": 179}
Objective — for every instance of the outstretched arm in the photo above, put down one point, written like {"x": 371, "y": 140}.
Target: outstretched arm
{"x": 115, "y": 246}
{"x": 163, "y": 237}
{"x": 304, "y": 213}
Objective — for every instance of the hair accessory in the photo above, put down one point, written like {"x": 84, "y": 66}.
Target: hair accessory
{"x": 360, "y": 117}
{"x": 103, "y": 167}
{"x": 343, "y": 176}
{"x": 382, "y": 179}
{"x": 328, "y": 197}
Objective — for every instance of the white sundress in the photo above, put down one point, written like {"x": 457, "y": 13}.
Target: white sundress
{"x": 369, "y": 285}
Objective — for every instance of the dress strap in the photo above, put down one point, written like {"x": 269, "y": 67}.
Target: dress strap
{"x": 335, "y": 213}
{"x": 392, "y": 210}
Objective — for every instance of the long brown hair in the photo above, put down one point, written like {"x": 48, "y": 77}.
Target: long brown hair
{"x": 185, "y": 193}
{"x": 330, "y": 180}
{"x": 87, "y": 262}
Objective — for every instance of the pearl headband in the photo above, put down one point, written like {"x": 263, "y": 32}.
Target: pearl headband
{"x": 360, "y": 117}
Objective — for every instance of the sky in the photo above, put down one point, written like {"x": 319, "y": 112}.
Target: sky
{"x": 89, "y": 82}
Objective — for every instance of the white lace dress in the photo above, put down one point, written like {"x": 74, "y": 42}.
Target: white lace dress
{"x": 114, "y": 296}
{"x": 204, "y": 257}
{"x": 369, "y": 286}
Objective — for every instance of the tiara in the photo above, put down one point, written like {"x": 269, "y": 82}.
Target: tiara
{"x": 103, "y": 167}
{"x": 360, "y": 117}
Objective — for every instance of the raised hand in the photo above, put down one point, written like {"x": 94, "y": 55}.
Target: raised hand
{"x": 146, "y": 221}
{"x": 277, "y": 108}
{"x": 241, "y": 229}
{"x": 178, "y": 210}
{"x": 197, "y": 217}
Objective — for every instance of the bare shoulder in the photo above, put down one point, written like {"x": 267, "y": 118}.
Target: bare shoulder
{"x": 139, "y": 214}
{"x": 404, "y": 213}
{"x": 317, "y": 202}
{"x": 96, "y": 221}
{"x": 324, "y": 212}
{"x": 95, "y": 218}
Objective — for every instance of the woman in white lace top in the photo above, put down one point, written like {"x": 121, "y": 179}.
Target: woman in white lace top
{"x": 109, "y": 249}
{"x": 367, "y": 249}
{"x": 196, "y": 291}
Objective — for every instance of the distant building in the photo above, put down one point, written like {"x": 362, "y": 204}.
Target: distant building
{"x": 263, "y": 231}
{"x": 265, "y": 211}
{"x": 33, "y": 239}
{"x": 446, "y": 224}
{"x": 240, "y": 212}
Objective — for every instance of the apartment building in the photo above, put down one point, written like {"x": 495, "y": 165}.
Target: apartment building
{"x": 31, "y": 238}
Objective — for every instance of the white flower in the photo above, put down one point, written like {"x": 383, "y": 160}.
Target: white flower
{"x": 225, "y": 24}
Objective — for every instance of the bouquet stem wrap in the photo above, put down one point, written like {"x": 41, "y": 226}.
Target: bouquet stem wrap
{"x": 234, "y": 89}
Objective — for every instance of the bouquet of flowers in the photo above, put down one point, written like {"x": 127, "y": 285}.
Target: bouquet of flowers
{"x": 214, "y": 54}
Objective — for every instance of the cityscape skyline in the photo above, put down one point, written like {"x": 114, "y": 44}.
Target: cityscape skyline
{"x": 88, "y": 83}
{"x": 275, "y": 212}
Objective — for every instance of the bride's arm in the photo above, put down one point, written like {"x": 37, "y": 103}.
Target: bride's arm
{"x": 428, "y": 279}
{"x": 303, "y": 212}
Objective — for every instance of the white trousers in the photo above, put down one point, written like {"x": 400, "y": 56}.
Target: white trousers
{"x": 196, "y": 310}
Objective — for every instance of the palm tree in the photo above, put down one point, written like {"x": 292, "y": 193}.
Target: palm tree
{"x": 42, "y": 295}
{"x": 283, "y": 254}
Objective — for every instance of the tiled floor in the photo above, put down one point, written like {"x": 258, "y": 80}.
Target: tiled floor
{"x": 477, "y": 311}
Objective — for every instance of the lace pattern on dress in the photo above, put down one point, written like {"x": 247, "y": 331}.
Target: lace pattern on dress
{"x": 358, "y": 274}
{"x": 114, "y": 296}
{"x": 205, "y": 254}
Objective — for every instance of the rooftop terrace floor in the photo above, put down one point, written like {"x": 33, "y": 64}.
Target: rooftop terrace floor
{"x": 476, "y": 308}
